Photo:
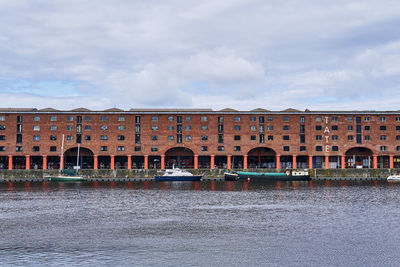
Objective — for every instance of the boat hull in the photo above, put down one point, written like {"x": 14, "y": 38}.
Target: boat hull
{"x": 66, "y": 179}
{"x": 231, "y": 177}
{"x": 246, "y": 176}
{"x": 177, "y": 178}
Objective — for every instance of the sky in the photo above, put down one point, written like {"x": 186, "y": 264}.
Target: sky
{"x": 240, "y": 54}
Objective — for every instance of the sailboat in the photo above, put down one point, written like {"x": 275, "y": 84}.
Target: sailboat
{"x": 68, "y": 175}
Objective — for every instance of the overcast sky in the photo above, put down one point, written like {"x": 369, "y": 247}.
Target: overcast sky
{"x": 320, "y": 55}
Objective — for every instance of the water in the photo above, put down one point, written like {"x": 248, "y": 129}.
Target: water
{"x": 200, "y": 224}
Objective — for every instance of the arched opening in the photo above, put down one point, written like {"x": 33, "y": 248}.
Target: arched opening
{"x": 85, "y": 158}
{"x": 3, "y": 162}
{"x": 180, "y": 157}
{"x": 261, "y": 157}
{"x": 359, "y": 157}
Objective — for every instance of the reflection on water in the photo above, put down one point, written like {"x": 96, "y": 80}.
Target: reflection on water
{"x": 345, "y": 223}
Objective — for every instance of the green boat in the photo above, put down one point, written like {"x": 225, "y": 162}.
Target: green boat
{"x": 67, "y": 176}
{"x": 274, "y": 176}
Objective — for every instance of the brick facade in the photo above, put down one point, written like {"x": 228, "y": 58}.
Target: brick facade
{"x": 31, "y": 138}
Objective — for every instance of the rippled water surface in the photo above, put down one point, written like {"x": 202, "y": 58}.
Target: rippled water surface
{"x": 200, "y": 224}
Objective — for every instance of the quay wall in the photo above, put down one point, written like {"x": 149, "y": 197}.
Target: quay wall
{"x": 217, "y": 174}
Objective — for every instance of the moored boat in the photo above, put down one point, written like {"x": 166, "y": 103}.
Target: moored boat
{"x": 394, "y": 178}
{"x": 274, "y": 176}
{"x": 176, "y": 174}
{"x": 66, "y": 176}
{"x": 228, "y": 176}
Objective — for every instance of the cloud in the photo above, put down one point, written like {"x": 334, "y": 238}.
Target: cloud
{"x": 176, "y": 53}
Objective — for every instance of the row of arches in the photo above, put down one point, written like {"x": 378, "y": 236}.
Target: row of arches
{"x": 260, "y": 157}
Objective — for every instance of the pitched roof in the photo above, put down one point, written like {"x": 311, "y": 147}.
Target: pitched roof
{"x": 113, "y": 109}
{"x": 48, "y": 109}
{"x": 229, "y": 109}
{"x": 290, "y": 110}
{"x": 80, "y": 109}
{"x": 260, "y": 110}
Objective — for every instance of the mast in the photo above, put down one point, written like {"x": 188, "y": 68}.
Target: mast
{"x": 62, "y": 152}
{"x": 77, "y": 160}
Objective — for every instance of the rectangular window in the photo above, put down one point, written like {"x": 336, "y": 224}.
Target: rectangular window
{"x": 367, "y": 137}
{"x": 253, "y": 138}
{"x": 121, "y": 127}
{"x": 121, "y": 137}
{"x": 179, "y": 138}
{"x": 103, "y": 148}
{"x": 318, "y": 148}
{"x": 334, "y": 118}
{"x": 121, "y": 148}
{"x": 204, "y": 127}
{"x": 70, "y": 138}
{"x": 70, "y": 127}
{"x": 2, "y": 148}
{"x": 302, "y": 119}
{"x": 204, "y": 138}
{"x": 203, "y": 118}
{"x": 19, "y": 119}
{"x": 88, "y": 127}
{"x": 318, "y": 127}
{"x": 53, "y": 118}
{"x": 261, "y": 128}
{"x": 170, "y": 137}
{"x": 397, "y": 148}
{"x": 236, "y": 148}
{"x": 170, "y": 118}
{"x": 335, "y": 137}
{"x": 137, "y": 128}
{"x": 397, "y": 119}
{"x": 350, "y": 137}
{"x": 270, "y": 118}
{"x": 286, "y": 148}
{"x": 397, "y": 128}
{"x": 302, "y": 139}
{"x": 286, "y": 119}
{"x": 261, "y": 138}
{"x": 104, "y": 137}
{"x": 19, "y": 128}
{"x": 349, "y": 119}
{"x": 397, "y": 137}
{"x": 53, "y": 127}
{"x": 104, "y": 127}
{"x": 154, "y": 149}
{"x": 236, "y": 127}
{"x": 270, "y": 137}
{"x": 36, "y": 128}
{"x": 253, "y": 128}
{"x": 19, "y": 138}
{"x": 383, "y": 148}
{"x": 335, "y": 127}
{"x": 154, "y": 118}
{"x": 179, "y": 119}
{"x": 220, "y": 128}
{"x": 188, "y": 118}
{"x": 302, "y": 148}
{"x": 382, "y": 128}
{"x": 188, "y": 127}
{"x": 154, "y": 128}
{"x": 70, "y": 118}
{"x": 2, "y": 118}
{"x": 302, "y": 128}
{"x": 220, "y": 119}
{"x": 87, "y": 137}
{"x": 53, "y": 137}
{"x": 188, "y": 138}
{"x": 104, "y": 118}
{"x": 350, "y": 127}
{"x": 358, "y": 119}
{"x": 3, "y": 127}
{"x": 154, "y": 138}
{"x": 270, "y": 127}
{"x": 53, "y": 149}
{"x": 358, "y": 128}
{"x": 170, "y": 128}
{"x": 286, "y": 127}
{"x": 18, "y": 149}
{"x": 221, "y": 148}
{"x": 318, "y": 137}
{"x": 220, "y": 138}
{"x": 236, "y": 118}
{"x": 88, "y": 118}
{"x": 367, "y": 127}
{"x": 79, "y": 128}
{"x": 36, "y": 138}
{"x": 383, "y": 137}
{"x": 335, "y": 148}
{"x": 261, "y": 119}
{"x": 2, "y": 137}
{"x": 366, "y": 119}
{"x": 286, "y": 137}
{"x": 204, "y": 148}
{"x": 138, "y": 148}
{"x": 383, "y": 119}
{"x": 137, "y": 138}
{"x": 137, "y": 119}
{"x": 179, "y": 128}
{"x": 358, "y": 138}
{"x": 36, "y": 118}
{"x": 36, "y": 149}
{"x": 318, "y": 119}
{"x": 121, "y": 118}
{"x": 236, "y": 138}
{"x": 78, "y": 119}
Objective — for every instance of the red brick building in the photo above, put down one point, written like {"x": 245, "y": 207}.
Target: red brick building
{"x": 198, "y": 138}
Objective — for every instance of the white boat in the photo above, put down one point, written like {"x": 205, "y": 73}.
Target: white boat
{"x": 176, "y": 174}
{"x": 394, "y": 178}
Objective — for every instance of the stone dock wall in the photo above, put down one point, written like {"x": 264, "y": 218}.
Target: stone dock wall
{"x": 140, "y": 174}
